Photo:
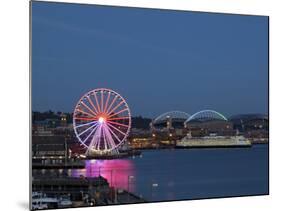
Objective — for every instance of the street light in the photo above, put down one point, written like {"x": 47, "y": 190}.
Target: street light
{"x": 153, "y": 185}
{"x": 130, "y": 177}
{"x": 82, "y": 195}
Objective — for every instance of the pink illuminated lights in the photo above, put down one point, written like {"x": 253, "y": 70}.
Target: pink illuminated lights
{"x": 101, "y": 121}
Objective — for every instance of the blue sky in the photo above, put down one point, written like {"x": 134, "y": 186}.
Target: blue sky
{"x": 158, "y": 60}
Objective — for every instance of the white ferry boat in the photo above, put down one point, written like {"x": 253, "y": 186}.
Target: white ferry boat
{"x": 213, "y": 141}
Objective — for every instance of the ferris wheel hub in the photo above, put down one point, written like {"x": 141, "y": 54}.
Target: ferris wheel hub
{"x": 101, "y": 120}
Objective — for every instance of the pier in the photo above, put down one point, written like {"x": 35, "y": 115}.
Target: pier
{"x": 82, "y": 191}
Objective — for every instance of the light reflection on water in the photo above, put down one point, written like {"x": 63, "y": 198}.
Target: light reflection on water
{"x": 183, "y": 174}
{"x": 119, "y": 173}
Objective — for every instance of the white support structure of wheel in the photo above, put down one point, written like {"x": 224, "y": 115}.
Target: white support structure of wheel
{"x": 101, "y": 121}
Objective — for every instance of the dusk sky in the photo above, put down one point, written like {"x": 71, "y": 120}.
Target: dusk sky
{"x": 158, "y": 60}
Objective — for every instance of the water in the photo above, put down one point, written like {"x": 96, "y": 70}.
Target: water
{"x": 187, "y": 173}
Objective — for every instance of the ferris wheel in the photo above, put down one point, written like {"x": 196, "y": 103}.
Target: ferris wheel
{"x": 101, "y": 121}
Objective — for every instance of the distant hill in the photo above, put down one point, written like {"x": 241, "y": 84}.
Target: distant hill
{"x": 137, "y": 122}
{"x": 141, "y": 122}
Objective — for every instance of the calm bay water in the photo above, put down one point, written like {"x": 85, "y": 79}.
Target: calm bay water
{"x": 187, "y": 173}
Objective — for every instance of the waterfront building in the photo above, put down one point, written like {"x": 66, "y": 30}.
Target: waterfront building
{"x": 49, "y": 149}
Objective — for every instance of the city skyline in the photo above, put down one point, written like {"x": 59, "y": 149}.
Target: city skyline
{"x": 158, "y": 61}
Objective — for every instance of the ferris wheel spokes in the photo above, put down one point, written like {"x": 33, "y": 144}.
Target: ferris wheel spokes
{"x": 119, "y": 112}
{"x": 117, "y": 129}
{"x": 113, "y": 134}
{"x": 85, "y": 124}
{"x": 101, "y": 121}
{"x": 117, "y": 123}
{"x": 111, "y": 140}
{"x": 101, "y": 101}
{"x": 92, "y": 104}
{"x": 84, "y": 112}
{"x": 84, "y": 104}
{"x": 111, "y": 104}
{"x": 94, "y": 125}
{"x": 119, "y": 118}
{"x": 106, "y": 103}
{"x": 86, "y": 118}
{"x": 95, "y": 138}
{"x": 93, "y": 131}
{"x": 104, "y": 139}
{"x": 97, "y": 102}
{"x": 110, "y": 112}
